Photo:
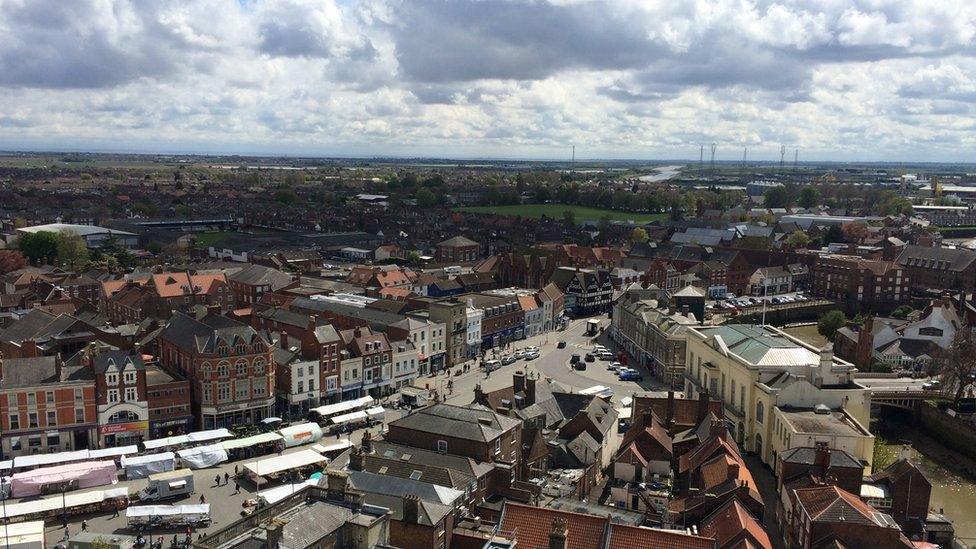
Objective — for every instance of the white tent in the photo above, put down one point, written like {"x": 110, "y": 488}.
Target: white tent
{"x": 203, "y": 456}
{"x": 143, "y": 466}
{"x": 213, "y": 434}
{"x": 344, "y": 406}
{"x": 41, "y": 460}
{"x": 337, "y": 446}
{"x": 350, "y": 418}
{"x": 250, "y": 441}
{"x": 279, "y": 493}
{"x": 278, "y": 464}
{"x": 303, "y": 433}
{"x": 113, "y": 452}
{"x": 167, "y": 510}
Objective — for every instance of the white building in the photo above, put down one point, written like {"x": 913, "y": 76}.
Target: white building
{"x": 93, "y": 236}
{"x": 406, "y": 363}
{"x": 472, "y": 338}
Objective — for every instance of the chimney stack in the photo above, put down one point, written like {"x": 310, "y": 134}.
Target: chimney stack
{"x": 669, "y": 411}
{"x": 411, "y": 509}
{"x": 718, "y": 428}
{"x": 283, "y": 341}
{"x": 356, "y": 459}
{"x": 518, "y": 381}
{"x": 530, "y": 390}
{"x": 273, "y": 532}
{"x": 821, "y": 458}
{"x": 557, "y": 537}
{"x": 336, "y": 484}
{"x": 367, "y": 444}
{"x": 905, "y": 454}
{"x": 702, "y": 405}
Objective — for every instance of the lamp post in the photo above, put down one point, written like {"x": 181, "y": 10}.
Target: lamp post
{"x": 3, "y": 502}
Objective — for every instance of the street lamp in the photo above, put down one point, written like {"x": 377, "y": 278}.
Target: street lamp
{"x": 3, "y": 502}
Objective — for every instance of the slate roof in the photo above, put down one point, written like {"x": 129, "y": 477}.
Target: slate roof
{"x": 458, "y": 242}
{"x": 457, "y": 422}
{"x": 938, "y": 258}
{"x": 832, "y": 504}
{"x": 409, "y": 454}
{"x": 119, "y": 358}
{"x": 254, "y": 275}
{"x": 203, "y": 336}
{"x": 28, "y": 372}
{"x": 807, "y": 455}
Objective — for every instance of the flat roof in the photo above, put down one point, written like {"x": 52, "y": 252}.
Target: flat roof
{"x": 806, "y": 420}
{"x": 80, "y": 230}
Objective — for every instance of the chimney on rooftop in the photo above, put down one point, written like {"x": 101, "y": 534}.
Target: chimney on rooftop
{"x": 273, "y": 532}
{"x": 669, "y": 411}
{"x": 821, "y": 458}
{"x": 718, "y": 428}
{"x": 336, "y": 484}
{"x": 283, "y": 341}
{"x": 702, "y": 406}
{"x": 356, "y": 459}
{"x": 530, "y": 390}
{"x": 558, "y": 534}
{"x": 367, "y": 444}
{"x": 518, "y": 381}
{"x": 905, "y": 454}
{"x": 411, "y": 509}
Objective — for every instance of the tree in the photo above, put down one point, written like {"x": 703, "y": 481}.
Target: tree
{"x": 799, "y": 239}
{"x": 425, "y": 198}
{"x": 286, "y": 196}
{"x": 40, "y": 247}
{"x": 834, "y": 234}
{"x": 72, "y": 250}
{"x": 957, "y": 364}
{"x": 11, "y": 260}
{"x": 902, "y": 312}
{"x": 413, "y": 257}
{"x": 809, "y": 197}
{"x": 639, "y": 235}
{"x": 854, "y": 231}
{"x": 776, "y": 197}
{"x": 569, "y": 216}
{"x": 830, "y": 322}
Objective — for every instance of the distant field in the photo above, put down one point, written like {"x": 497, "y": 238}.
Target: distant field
{"x": 583, "y": 213}
{"x": 205, "y": 240}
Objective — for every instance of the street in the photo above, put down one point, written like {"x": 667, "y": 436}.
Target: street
{"x": 226, "y": 505}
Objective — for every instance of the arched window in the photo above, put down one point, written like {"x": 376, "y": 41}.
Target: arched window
{"x": 123, "y": 416}
{"x": 240, "y": 347}
{"x": 205, "y": 370}
{"x": 760, "y": 409}
{"x": 222, "y": 350}
{"x": 241, "y": 367}
{"x": 223, "y": 369}
{"x": 259, "y": 364}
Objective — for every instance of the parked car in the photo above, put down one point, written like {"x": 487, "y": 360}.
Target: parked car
{"x": 931, "y": 385}
{"x": 531, "y": 355}
{"x": 561, "y": 345}
{"x": 579, "y": 365}
{"x": 589, "y": 357}
{"x": 629, "y": 374}
{"x": 508, "y": 359}
{"x": 574, "y": 359}
{"x": 730, "y": 296}
{"x": 614, "y": 366}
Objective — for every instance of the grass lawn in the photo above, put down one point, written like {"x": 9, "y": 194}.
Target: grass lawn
{"x": 205, "y": 240}
{"x": 583, "y": 213}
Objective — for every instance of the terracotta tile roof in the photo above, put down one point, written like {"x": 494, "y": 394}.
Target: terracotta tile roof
{"x": 179, "y": 284}
{"x": 531, "y": 527}
{"x": 685, "y": 410}
{"x": 528, "y": 303}
{"x": 830, "y": 503}
{"x": 731, "y": 521}
{"x": 633, "y": 537}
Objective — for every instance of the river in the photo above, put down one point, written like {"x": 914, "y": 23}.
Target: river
{"x": 952, "y": 492}
{"x": 661, "y": 173}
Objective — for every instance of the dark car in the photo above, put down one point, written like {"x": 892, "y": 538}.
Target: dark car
{"x": 579, "y": 365}
{"x": 561, "y": 345}
{"x": 589, "y": 357}
{"x": 574, "y": 359}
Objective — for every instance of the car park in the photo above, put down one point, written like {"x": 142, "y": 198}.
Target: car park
{"x": 607, "y": 356}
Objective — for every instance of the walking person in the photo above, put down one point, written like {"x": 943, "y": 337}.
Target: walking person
{"x": 226, "y": 479}
{"x": 217, "y": 480}
{"x": 84, "y": 525}
{"x": 237, "y": 487}
{"x": 202, "y": 499}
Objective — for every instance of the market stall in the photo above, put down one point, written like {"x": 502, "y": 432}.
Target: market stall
{"x": 202, "y": 456}
{"x": 72, "y": 476}
{"x": 143, "y": 466}
{"x": 273, "y": 467}
{"x": 303, "y": 433}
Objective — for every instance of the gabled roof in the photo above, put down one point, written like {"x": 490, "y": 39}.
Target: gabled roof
{"x": 203, "y": 336}
{"x": 475, "y": 423}
{"x": 181, "y": 284}
{"x": 255, "y": 274}
{"x": 832, "y": 504}
{"x": 732, "y": 522}
{"x": 458, "y": 242}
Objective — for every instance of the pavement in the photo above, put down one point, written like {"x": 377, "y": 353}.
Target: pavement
{"x": 226, "y": 505}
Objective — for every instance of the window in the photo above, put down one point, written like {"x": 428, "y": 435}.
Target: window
{"x": 34, "y": 442}
{"x": 15, "y": 444}
{"x": 130, "y": 377}
{"x": 52, "y": 418}
{"x": 31, "y": 399}
{"x": 301, "y": 371}
{"x": 205, "y": 370}
{"x": 32, "y": 420}
{"x": 14, "y": 421}
{"x": 223, "y": 392}
{"x": 369, "y": 361}
{"x": 12, "y": 400}
{"x": 241, "y": 368}
{"x": 49, "y": 397}
{"x": 442, "y": 446}
{"x": 759, "y": 412}
{"x": 311, "y": 385}
{"x": 243, "y": 389}
{"x": 112, "y": 395}
{"x": 207, "y": 393}
{"x": 131, "y": 394}
{"x": 301, "y": 386}
{"x": 79, "y": 415}
{"x": 223, "y": 369}
{"x": 498, "y": 445}
{"x": 259, "y": 364}
{"x": 112, "y": 379}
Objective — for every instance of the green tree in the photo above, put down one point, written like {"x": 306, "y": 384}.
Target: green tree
{"x": 286, "y": 196}
{"x": 834, "y": 234}
{"x": 902, "y": 312}
{"x": 809, "y": 197}
{"x": 413, "y": 257}
{"x": 569, "y": 216}
{"x": 40, "y": 247}
{"x": 425, "y": 198}
{"x": 776, "y": 197}
{"x": 639, "y": 235}
{"x": 799, "y": 239}
{"x": 830, "y": 322}
{"x": 72, "y": 250}
{"x": 957, "y": 364}
{"x": 883, "y": 454}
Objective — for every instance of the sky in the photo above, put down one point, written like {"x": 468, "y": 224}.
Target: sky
{"x": 838, "y": 80}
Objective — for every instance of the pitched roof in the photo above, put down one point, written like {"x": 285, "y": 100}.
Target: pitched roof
{"x": 181, "y": 284}
{"x": 255, "y": 274}
{"x": 833, "y": 504}
{"x": 203, "y": 336}
{"x": 731, "y": 521}
{"x": 458, "y": 242}
{"x": 472, "y": 422}
{"x": 806, "y": 455}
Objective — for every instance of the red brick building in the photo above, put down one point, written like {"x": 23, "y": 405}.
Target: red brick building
{"x": 45, "y": 406}
{"x": 458, "y": 250}
{"x": 861, "y": 284}
{"x": 229, "y": 365}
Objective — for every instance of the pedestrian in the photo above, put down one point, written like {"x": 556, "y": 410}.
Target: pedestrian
{"x": 226, "y": 479}
{"x": 237, "y": 470}
{"x": 84, "y": 525}
{"x": 217, "y": 480}
{"x": 237, "y": 487}
{"x": 202, "y": 499}
{"x": 189, "y": 532}
{"x": 115, "y": 509}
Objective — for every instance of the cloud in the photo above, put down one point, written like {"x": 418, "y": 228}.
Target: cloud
{"x": 618, "y": 78}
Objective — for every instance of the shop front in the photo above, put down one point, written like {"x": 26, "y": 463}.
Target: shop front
{"x": 170, "y": 427}
{"x": 123, "y": 433}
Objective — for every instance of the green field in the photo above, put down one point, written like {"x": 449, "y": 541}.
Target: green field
{"x": 205, "y": 240}
{"x": 555, "y": 211}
